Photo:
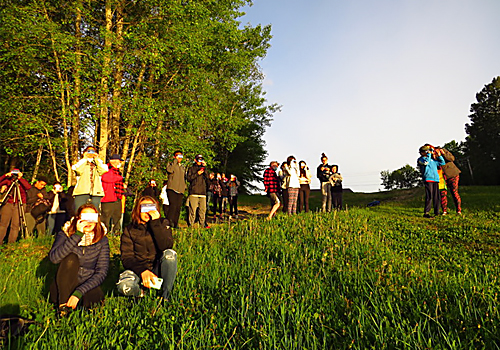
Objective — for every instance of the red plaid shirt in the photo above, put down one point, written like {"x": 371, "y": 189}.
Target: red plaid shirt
{"x": 271, "y": 181}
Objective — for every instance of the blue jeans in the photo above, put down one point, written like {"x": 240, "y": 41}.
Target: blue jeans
{"x": 129, "y": 282}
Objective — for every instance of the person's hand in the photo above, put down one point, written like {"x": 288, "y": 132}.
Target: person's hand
{"x": 39, "y": 195}
{"x": 201, "y": 171}
{"x": 83, "y": 226}
{"x": 3, "y": 189}
{"x": 154, "y": 214}
{"x": 72, "y": 302}
{"x": 19, "y": 175}
{"x": 147, "y": 277}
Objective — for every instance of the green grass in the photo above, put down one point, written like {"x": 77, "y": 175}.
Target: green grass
{"x": 379, "y": 278}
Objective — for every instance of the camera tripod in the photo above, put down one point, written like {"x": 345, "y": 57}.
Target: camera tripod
{"x": 15, "y": 192}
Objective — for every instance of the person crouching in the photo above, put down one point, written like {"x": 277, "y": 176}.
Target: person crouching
{"x": 146, "y": 251}
{"x": 82, "y": 251}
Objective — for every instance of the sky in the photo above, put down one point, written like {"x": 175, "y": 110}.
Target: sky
{"x": 368, "y": 82}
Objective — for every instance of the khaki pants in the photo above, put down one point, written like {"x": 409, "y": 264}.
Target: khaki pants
{"x": 200, "y": 203}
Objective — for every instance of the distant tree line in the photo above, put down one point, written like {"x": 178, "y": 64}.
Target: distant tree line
{"x": 136, "y": 78}
{"x": 478, "y": 157}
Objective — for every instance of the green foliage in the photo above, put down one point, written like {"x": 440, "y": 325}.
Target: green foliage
{"x": 484, "y": 135}
{"x": 378, "y": 278}
{"x": 151, "y": 77}
{"x": 405, "y": 177}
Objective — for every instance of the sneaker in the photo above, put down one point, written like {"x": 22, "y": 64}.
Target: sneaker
{"x": 444, "y": 213}
{"x": 459, "y": 212}
{"x": 427, "y": 216}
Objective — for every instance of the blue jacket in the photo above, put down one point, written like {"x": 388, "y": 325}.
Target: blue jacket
{"x": 429, "y": 167}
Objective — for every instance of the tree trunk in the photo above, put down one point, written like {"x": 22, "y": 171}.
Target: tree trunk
{"x": 104, "y": 98}
{"x": 37, "y": 165}
{"x": 134, "y": 150}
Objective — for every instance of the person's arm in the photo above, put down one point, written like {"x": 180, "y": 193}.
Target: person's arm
{"x": 267, "y": 180}
{"x": 100, "y": 166}
{"x": 162, "y": 234}
{"x": 31, "y": 196}
{"x": 79, "y": 166}
{"x": 101, "y": 270}
{"x": 191, "y": 174}
{"x": 24, "y": 184}
{"x": 440, "y": 160}
{"x": 63, "y": 246}
{"x": 111, "y": 177}
{"x": 170, "y": 167}
{"x": 308, "y": 175}
{"x": 447, "y": 155}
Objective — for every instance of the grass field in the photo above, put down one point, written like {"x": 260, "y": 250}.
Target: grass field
{"x": 362, "y": 278}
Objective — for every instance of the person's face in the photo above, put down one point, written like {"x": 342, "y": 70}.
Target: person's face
{"x": 116, "y": 163}
{"x": 199, "y": 161}
{"x": 324, "y": 160}
{"x": 178, "y": 157}
{"x": 40, "y": 185}
{"x": 211, "y": 175}
{"x": 334, "y": 169}
{"x": 153, "y": 183}
{"x": 90, "y": 153}
{"x": 145, "y": 216}
{"x": 302, "y": 165}
{"x": 89, "y": 225}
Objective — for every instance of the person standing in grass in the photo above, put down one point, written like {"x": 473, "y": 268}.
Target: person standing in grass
{"x": 146, "y": 251}
{"x": 164, "y": 198}
{"x": 176, "y": 185}
{"x": 111, "y": 204}
{"x": 82, "y": 251}
{"x": 336, "y": 187}
{"x": 198, "y": 184}
{"x": 323, "y": 173}
{"x": 284, "y": 179}
{"x": 292, "y": 172}
{"x": 272, "y": 187}
{"x": 233, "y": 186}
{"x": 428, "y": 162}
{"x": 451, "y": 175}
{"x": 305, "y": 190}
{"x": 89, "y": 170}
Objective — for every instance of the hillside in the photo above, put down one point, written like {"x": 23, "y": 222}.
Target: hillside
{"x": 380, "y": 277}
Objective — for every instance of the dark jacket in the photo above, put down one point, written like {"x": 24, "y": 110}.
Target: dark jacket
{"x": 323, "y": 176}
{"x": 94, "y": 259}
{"x": 152, "y": 191}
{"x": 142, "y": 245}
{"x": 449, "y": 169}
{"x": 32, "y": 194}
{"x": 24, "y": 186}
{"x": 197, "y": 183}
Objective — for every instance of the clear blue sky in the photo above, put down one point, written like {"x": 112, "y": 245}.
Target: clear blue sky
{"x": 368, "y": 82}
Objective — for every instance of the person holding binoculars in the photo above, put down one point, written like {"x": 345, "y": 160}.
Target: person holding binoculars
{"x": 89, "y": 170}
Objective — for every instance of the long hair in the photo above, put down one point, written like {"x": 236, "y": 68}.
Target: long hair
{"x": 136, "y": 212}
{"x": 302, "y": 171}
{"x": 98, "y": 229}
{"x": 289, "y": 160}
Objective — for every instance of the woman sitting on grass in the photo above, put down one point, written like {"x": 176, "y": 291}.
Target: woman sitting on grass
{"x": 82, "y": 251}
{"x": 146, "y": 251}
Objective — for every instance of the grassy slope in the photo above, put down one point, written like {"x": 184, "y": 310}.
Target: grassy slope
{"x": 379, "y": 277}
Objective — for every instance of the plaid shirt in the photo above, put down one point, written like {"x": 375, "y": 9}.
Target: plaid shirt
{"x": 119, "y": 191}
{"x": 271, "y": 181}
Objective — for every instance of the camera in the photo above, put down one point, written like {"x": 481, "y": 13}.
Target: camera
{"x": 15, "y": 173}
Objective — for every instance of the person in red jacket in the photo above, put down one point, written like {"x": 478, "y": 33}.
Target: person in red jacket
{"x": 10, "y": 212}
{"x": 111, "y": 203}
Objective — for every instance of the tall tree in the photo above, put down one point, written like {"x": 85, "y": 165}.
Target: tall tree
{"x": 483, "y": 138}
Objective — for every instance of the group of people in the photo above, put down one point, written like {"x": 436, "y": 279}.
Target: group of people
{"x": 206, "y": 190}
{"x": 93, "y": 207}
{"x": 290, "y": 184}
{"x": 439, "y": 174}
